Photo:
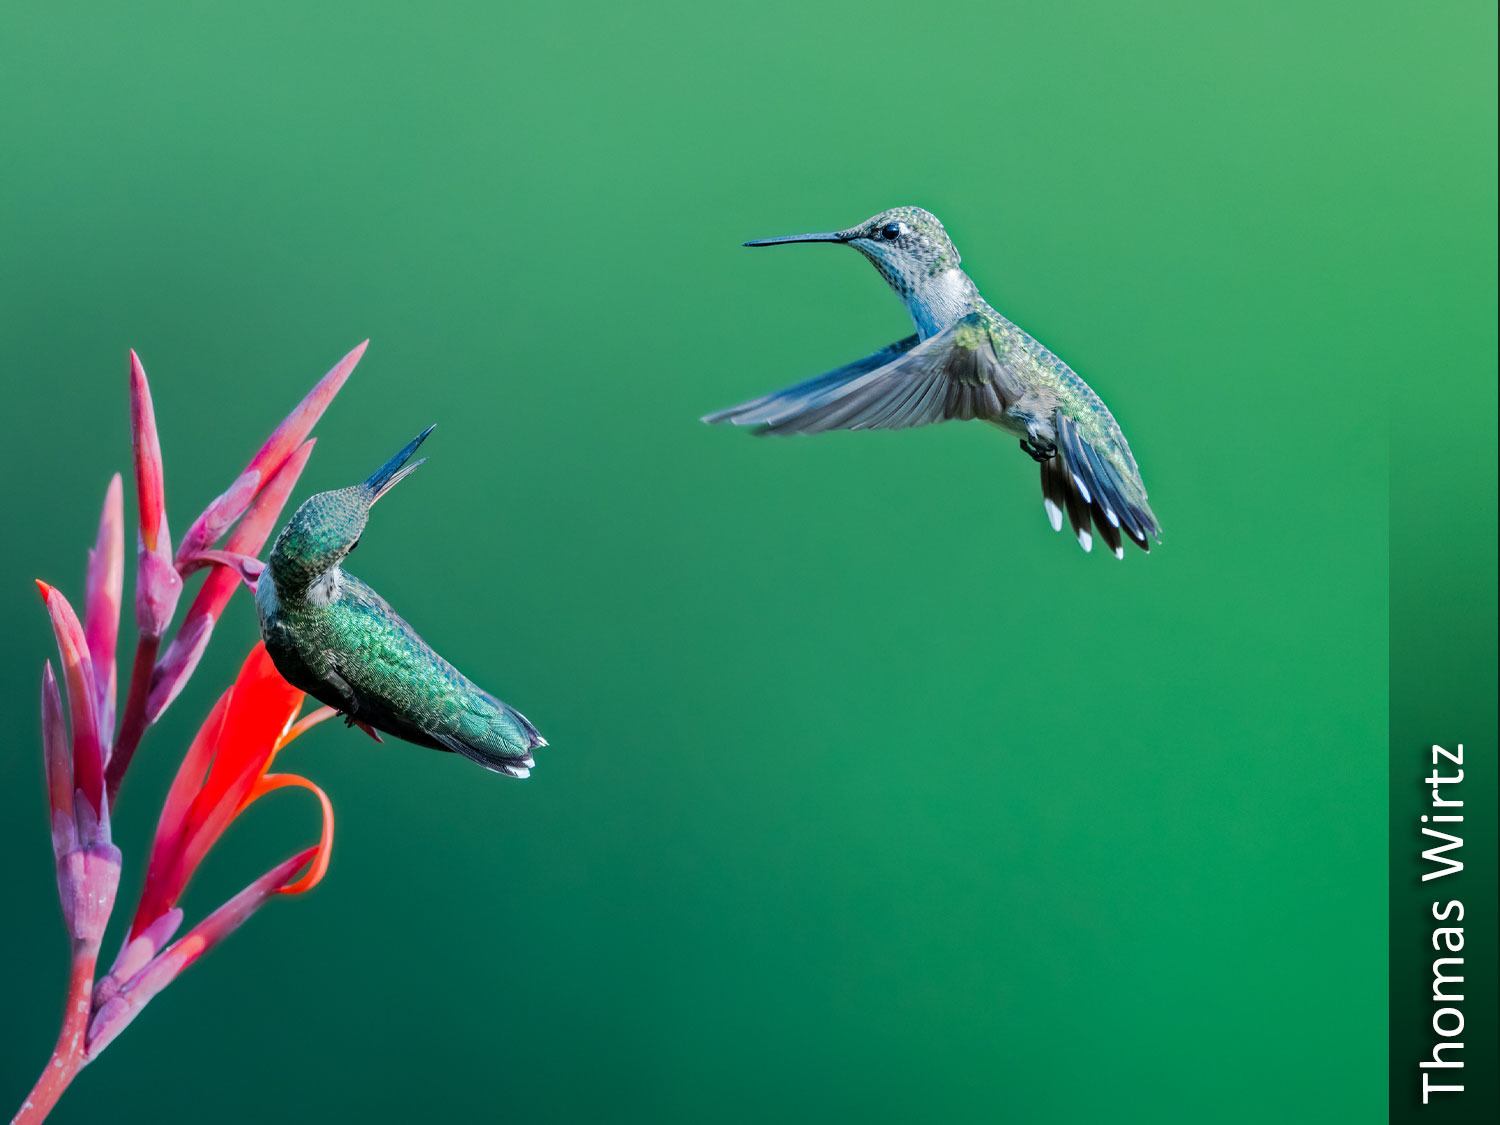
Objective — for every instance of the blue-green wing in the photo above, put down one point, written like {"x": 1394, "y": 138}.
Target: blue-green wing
{"x": 955, "y": 375}
{"x": 405, "y": 688}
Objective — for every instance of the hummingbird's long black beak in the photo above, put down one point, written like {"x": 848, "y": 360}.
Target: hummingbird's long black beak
{"x": 385, "y": 478}
{"x": 832, "y": 236}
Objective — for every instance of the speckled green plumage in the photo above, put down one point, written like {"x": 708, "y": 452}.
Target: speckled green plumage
{"x": 395, "y": 681}
{"x": 1052, "y": 379}
{"x": 334, "y": 637}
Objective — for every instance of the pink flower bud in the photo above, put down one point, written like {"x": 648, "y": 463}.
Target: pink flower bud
{"x": 59, "y": 767}
{"x": 101, "y": 615}
{"x": 150, "y": 489}
{"x": 87, "y": 879}
{"x": 157, "y": 588}
{"x": 78, "y": 674}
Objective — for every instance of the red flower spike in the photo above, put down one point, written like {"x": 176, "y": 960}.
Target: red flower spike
{"x": 223, "y": 773}
{"x": 219, "y": 515}
{"x": 101, "y": 614}
{"x": 227, "y": 766}
{"x": 78, "y": 674}
{"x": 182, "y": 655}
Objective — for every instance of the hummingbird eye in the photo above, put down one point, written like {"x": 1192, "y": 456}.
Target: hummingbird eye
{"x": 891, "y": 231}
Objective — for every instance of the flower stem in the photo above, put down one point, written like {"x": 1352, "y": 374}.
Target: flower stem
{"x": 133, "y": 718}
{"x": 70, "y": 1055}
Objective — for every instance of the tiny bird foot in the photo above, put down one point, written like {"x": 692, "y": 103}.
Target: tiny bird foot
{"x": 351, "y": 722}
{"x": 1038, "y": 451}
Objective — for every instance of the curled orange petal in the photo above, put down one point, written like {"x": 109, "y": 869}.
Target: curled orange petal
{"x": 314, "y": 874}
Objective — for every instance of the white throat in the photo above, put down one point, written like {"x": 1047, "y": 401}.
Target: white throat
{"x": 940, "y": 302}
{"x": 326, "y": 588}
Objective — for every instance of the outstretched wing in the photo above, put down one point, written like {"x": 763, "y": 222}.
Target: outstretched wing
{"x": 956, "y": 374}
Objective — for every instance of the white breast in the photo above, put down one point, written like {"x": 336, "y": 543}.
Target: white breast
{"x": 326, "y": 589}
{"x": 940, "y": 302}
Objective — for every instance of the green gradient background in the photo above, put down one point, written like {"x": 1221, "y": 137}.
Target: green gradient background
{"x": 869, "y": 797}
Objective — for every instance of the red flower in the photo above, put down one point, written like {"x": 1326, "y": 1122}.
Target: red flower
{"x": 223, "y": 774}
{"x": 225, "y": 769}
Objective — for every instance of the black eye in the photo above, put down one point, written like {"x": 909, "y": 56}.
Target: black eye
{"x": 891, "y": 231}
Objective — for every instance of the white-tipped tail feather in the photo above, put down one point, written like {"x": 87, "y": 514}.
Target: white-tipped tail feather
{"x": 1097, "y": 494}
{"x": 1054, "y": 513}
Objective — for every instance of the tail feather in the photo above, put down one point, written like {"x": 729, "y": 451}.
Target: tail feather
{"x": 1055, "y": 485}
{"x": 496, "y": 736}
{"x": 1095, "y": 495}
{"x": 1062, "y": 491}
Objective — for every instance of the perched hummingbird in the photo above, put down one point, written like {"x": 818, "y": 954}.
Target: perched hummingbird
{"x": 967, "y": 361}
{"x": 338, "y": 640}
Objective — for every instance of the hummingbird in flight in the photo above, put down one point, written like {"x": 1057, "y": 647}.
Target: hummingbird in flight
{"x": 965, "y": 362}
{"x": 335, "y": 638}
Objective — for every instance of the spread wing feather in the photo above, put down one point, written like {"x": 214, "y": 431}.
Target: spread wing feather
{"x": 956, "y": 374}
{"x": 960, "y": 375}
{"x": 811, "y": 392}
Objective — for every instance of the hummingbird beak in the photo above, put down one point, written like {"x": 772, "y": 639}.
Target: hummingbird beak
{"x": 832, "y": 236}
{"x": 385, "y": 478}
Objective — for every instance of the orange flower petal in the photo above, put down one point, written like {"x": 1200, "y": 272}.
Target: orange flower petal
{"x": 217, "y": 777}
{"x": 262, "y": 707}
{"x": 314, "y": 874}
{"x": 165, "y": 874}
